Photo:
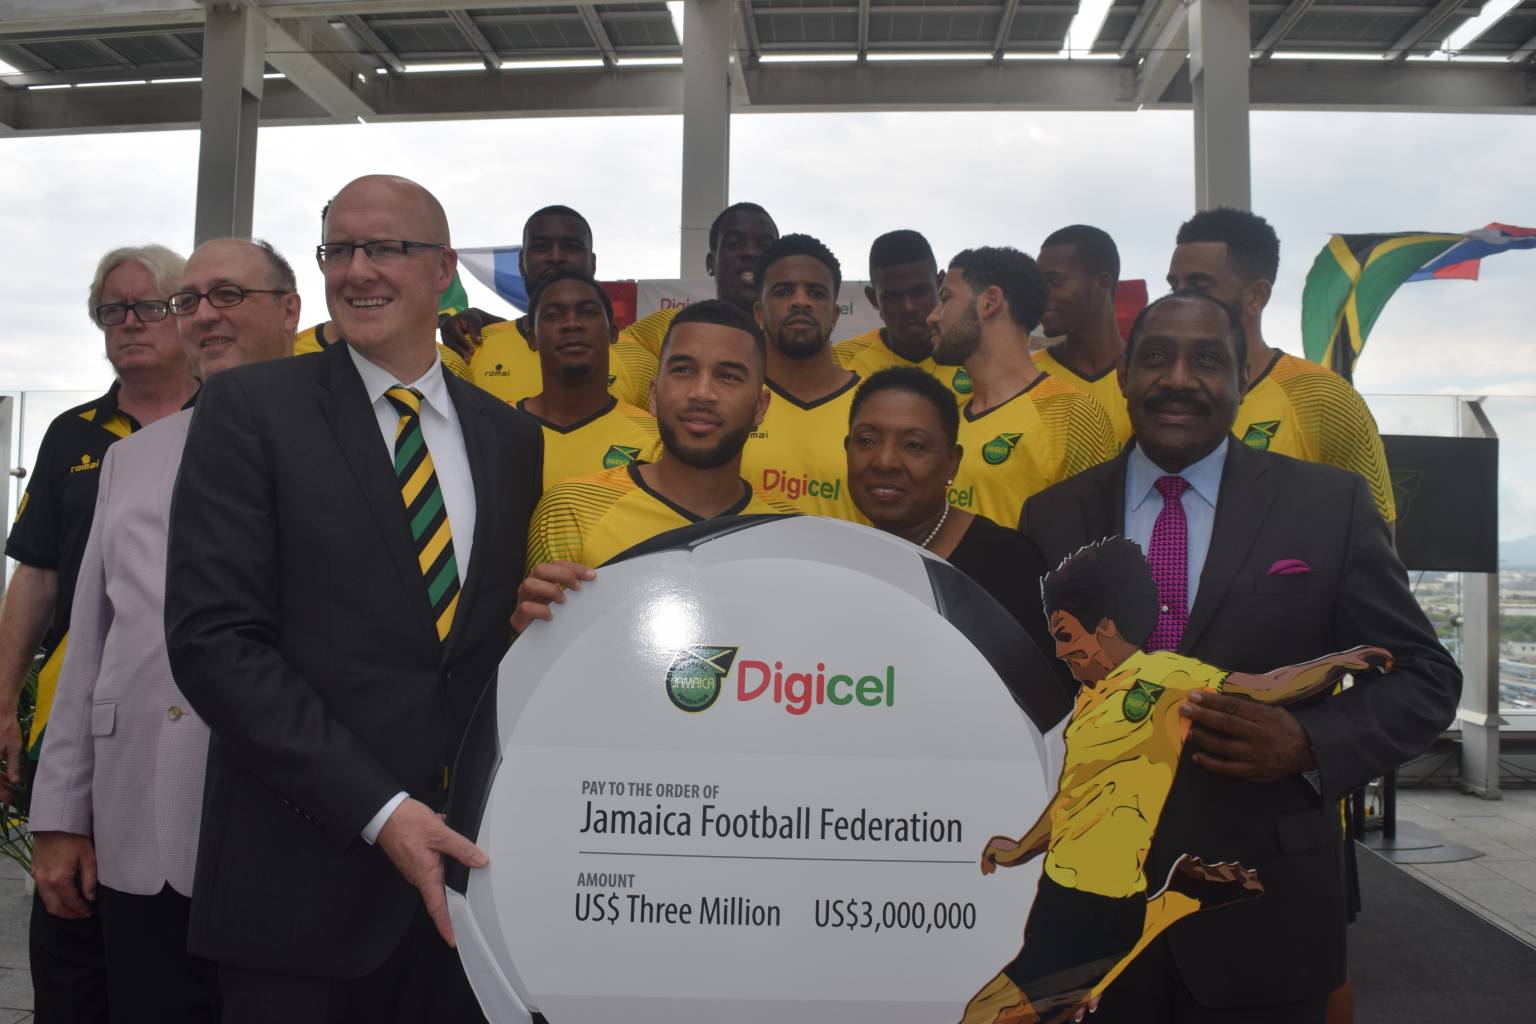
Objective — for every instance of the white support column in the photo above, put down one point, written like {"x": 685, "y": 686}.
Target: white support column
{"x": 1218, "y": 76}
{"x": 234, "y": 55}
{"x": 706, "y": 126}
{"x": 1479, "y": 709}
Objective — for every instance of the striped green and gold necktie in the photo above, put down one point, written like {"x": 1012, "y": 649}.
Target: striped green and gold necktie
{"x": 425, "y": 509}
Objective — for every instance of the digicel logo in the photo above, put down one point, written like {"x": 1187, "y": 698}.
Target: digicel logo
{"x": 800, "y": 691}
{"x": 792, "y": 485}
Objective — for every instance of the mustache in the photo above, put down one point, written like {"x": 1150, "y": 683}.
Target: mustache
{"x": 1184, "y": 400}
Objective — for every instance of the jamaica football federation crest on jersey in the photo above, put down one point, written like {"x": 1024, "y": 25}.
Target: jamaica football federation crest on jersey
{"x": 1258, "y": 435}
{"x": 961, "y": 382}
{"x": 997, "y": 450}
{"x": 694, "y": 680}
{"x": 1139, "y": 700}
{"x": 619, "y": 455}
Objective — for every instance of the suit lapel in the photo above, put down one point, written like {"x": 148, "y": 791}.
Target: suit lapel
{"x": 1103, "y": 505}
{"x": 1247, "y": 490}
{"x": 484, "y": 471}
{"x": 350, "y": 416}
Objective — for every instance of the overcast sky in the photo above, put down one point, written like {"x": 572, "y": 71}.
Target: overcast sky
{"x": 962, "y": 179}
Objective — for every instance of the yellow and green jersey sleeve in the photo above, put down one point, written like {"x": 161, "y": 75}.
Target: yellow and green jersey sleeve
{"x": 631, "y": 368}
{"x": 797, "y": 454}
{"x": 649, "y": 330}
{"x": 1308, "y": 412}
{"x": 591, "y": 519}
{"x": 315, "y": 339}
{"x": 868, "y": 354}
{"x": 507, "y": 365}
{"x": 1104, "y": 389}
{"x": 617, "y": 436}
{"x": 1045, "y": 434}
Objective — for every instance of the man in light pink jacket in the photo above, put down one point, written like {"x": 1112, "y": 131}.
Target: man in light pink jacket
{"x": 117, "y": 802}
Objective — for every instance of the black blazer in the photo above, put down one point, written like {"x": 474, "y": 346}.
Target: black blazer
{"x": 298, "y": 627}
{"x": 1289, "y": 944}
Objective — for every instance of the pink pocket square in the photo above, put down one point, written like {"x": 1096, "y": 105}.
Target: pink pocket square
{"x": 1289, "y": 567}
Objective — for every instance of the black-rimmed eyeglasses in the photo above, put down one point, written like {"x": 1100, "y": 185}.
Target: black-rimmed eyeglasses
{"x": 110, "y": 314}
{"x": 382, "y": 250}
{"x": 219, "y": 297}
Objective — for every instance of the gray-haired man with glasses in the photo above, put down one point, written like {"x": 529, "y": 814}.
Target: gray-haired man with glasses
{"x": 117, "y": 803}
{"x": 128, "y": 301}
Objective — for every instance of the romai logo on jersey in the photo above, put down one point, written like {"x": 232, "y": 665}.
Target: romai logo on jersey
{"x": 696, "y": 678}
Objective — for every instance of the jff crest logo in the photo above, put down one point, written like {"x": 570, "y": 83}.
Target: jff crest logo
{"x": 1260, "y": 434}
{"x": 961, "y": 382}
{"x": 1139, "y": 700}
{"x": 997, "y": 450}
{"x": 619, "y": 455}
{"x": 694, "y": 680}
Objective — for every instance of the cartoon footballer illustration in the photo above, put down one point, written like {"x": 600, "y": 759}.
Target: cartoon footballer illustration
{"x": 1092, "y": 914}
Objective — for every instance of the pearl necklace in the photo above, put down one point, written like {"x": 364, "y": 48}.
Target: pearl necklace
{"x": 937, "y": 526}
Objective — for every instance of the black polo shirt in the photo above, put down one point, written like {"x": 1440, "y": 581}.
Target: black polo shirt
{"x": 54, "y": 520}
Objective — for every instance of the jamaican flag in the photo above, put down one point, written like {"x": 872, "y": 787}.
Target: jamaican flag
{"x": 1349, "y": 285}
{"x": 453, "y": 300}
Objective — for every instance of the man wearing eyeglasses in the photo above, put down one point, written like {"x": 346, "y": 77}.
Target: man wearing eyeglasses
{"x": 116, "y": 804}
{"x": 128, "y": 302}
{"x": 346, "y": 541}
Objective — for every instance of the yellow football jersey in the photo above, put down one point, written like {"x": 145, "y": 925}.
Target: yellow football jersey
{"x": 1308, "y": 412}
{"x": 590, "y": 519}
{"x": 506, "y": 365}
{"x": 314, "y": 339}
{"x": 867, "y": 354}
{"x": 1105, "y": 389}
{"x": 616, "y": 436}
{"x": 648, "y": 331}
{"x": 1123, "y": 745}
{"x": 797, "y": 453}
{"x": 1044, "y": 434}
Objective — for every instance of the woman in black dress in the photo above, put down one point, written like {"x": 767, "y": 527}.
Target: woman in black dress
{"x": 902, "y": 456}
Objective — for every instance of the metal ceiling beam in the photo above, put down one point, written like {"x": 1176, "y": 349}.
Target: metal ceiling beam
{"x": 1131, "y": 45}
{"x": 309, "y": 52}
{"x": 747, "y": 15}
{"x": 115, "y": 58}
{"x": 1424, "y": 26}
{"x": 43, "y": 65}
{"x": 1166, "y": 47}
{"x": 1004, "y": 30}
{"x": 1427, "y": 87}
{"x": 1527, "y": 48}
{"x": 467, "y": 27}
{"x": 374, "y": 43}
{"x": 599, "y": 34}
{"x": 1282, "y": 25}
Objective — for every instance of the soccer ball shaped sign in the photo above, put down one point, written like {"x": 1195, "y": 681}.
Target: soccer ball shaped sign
{"x": 748, "y": 774}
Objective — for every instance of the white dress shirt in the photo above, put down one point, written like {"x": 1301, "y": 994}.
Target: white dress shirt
{"x": 1144, "y": 502}
{"x": 444, "y": 437}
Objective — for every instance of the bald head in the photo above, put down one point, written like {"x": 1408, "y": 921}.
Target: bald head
{"x": 383, "y": 298}
{"x": 401, "y": 196}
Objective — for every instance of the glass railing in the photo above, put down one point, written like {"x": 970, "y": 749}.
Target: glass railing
{"x": 1440, "y": 593}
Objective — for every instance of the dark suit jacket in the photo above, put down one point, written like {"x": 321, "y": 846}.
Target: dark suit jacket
{"x": 1289, "y": 944}
{"x": 299, "y": 628}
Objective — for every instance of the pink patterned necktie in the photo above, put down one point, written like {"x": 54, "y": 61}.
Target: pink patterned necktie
{"x": 1170, "y": 565}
